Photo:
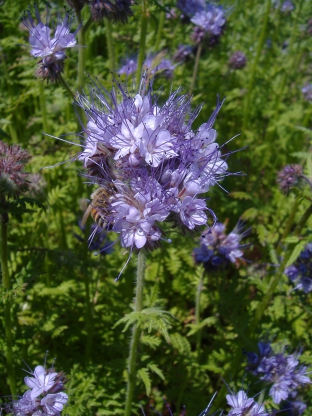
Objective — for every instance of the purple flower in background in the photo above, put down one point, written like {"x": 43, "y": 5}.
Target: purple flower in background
{"x": 289, "y": 177}
{"x": 286, "y": 7}
{"x": 191, "y": 7}
{"x": 216, "y": 247}
{"x": 300, "y": 272}
{"x": 283, "y": 371}
{"x": 45, "y": 397}
{"x": 238, "y": 60}
{"x": 242, "y": 405}
{"x": 307, "y": 92}
{"x": 155, "y": 165}
{"x": 209, "y": 23}
{"x": 114, "y": 10}
{"x": 129, "y": 67}
{"x": 157, "y": 64}
{"x": 183, "y": 53}
{"x": 50, "y": 49}
{"x": 293, "y": 408}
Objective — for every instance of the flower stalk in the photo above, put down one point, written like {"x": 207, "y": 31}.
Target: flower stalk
{"x": 143, "y": 34}
{"x": 197, "y": 310}
{"x": 135, "y": 339}
{"x": 82, "y": 51}
{"x": 110, "y": 45}
{"x": 275, "y": 279}
{"x": 195, "y": 71}
{"x": 7, "y": 303}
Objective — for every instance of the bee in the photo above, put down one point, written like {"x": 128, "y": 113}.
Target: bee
{"x": 99, "y": 206}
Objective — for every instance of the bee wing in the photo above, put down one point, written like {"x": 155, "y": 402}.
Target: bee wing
{"x": 86, "y": 215}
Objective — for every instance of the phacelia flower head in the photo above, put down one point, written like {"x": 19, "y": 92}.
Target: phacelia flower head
{"x": 283, "y": 371}
{"x": 286, "y": 7}
{"x": 288, "y": 177}
{"x": 183, "y": 53}
{"x": 151, "y": 164}
{"x": 45, "y": 397}
{"x": 114, "y": 10}
{"x": 242, "y": 405}
{"x": 300, "y": 273}
{"x": 209, "y": 24}
{"x": 190, "y": 7}
{"x": 238, "y": 60}
{"x": 13, "y": 179}
{"x": 307, "y": 92}
{"x": 217, "y": 248}
{"x": 50, "y": 50}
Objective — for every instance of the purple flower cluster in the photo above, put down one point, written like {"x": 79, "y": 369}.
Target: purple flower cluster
{"x": 45, "y": 396}
{"x": 209, "y": 23}
{"x": 216, "y": 248}
{"x": 289, "y": 177}
{"x": 301, "y": 271}
{"x": 242, "y": 405}
{"x": 283, "y": 371}
{"x": 286, "y": 7}
{"x": 155, "y": 165}
{"x": 50, "y": 50}
{"x": 190, "y": 7}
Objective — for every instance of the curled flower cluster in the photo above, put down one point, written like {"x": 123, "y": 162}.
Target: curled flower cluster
{"x": 45, "y": 397}
{"x": 288, "y": 177}
{"x": 209, "y": 24}
{"x": 238, "y": 60}
{"x": 13, "y": 179}
{"x": 301, "y": 271}
{"x": 152, "y": 163}
{"x": 242, "y": 405}
{"x": 50, "y": 50}
{"x": 114, "y": 10}
{"x": 283, "y": 371}
{"x": 216, "y": 248}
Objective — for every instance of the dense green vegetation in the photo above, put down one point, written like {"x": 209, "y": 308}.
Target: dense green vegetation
{"x": 63, "y": 297}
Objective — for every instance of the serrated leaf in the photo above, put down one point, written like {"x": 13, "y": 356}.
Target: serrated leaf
{"x": 143, "y": 375}
{"x": 250, "y": 214}
{"x": 291, "y": 239}
{"x": 262, "y": 233}
{"x": 153, "y": 367}
{"x": 296, "y": 252}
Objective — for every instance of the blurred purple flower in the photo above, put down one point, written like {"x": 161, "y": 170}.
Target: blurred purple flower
{"x": 183, "y": 53}
{"x": 301, "y": 271}
{"x": 237, "y": 60}
{"x": 129, "y": 67}
{"x": 216, "y": 248}
{"x": 209, "y": 24}
{"x": 283, "y": 371}
{"x": 191, "y": 7}
{"x": 307, "y": 92}
{"x": 114, "y": 10}
{"x": 289, "y": 177}
{"x": 50, "y": 49}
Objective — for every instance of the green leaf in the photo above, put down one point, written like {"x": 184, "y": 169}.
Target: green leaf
{"x": 296, "y": 252}
{"x": 143, "y": 375}
{"x": 241, "y": 195}
{"x": 153, "y": 367}
{"x": 250, "y": 214}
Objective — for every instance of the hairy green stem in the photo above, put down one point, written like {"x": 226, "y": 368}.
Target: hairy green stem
{"x": 143, "y": 33}
{"x": 43, "y": 107}
{"x": 288, "y": 225}
{"x": 82, "y": 51}
{"x": 275, "y": 279}
{"x": 197, "y": 59}
{"x": 110, "y": 45}
{"x": 160, "y": 30}
{"x": 197, "y": 311}
{"x": 255, "y": 64}
{"x": 67, "y": 87}
{"x": 138, "y": 305}
{"x": 7, "y": 302}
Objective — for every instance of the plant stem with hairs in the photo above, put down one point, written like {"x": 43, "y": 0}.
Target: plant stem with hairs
{"x": 7, "y": 302}
{"x": 134, "y": 343}
{"x": 82, "y": 50}
{"x": 143, "y": 34}
{"x": 110, "y": 45}
{"x": 197, "y": 59}
{"x": 197, "y": 311}
{"x": 43, "y": 107}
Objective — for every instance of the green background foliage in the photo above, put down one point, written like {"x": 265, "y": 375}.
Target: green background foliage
{"x": 65, "y": 299}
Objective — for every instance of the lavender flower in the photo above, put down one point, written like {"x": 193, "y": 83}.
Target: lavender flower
{"x": 13, "y": 179}
{"x": 209, "y": 23}
{"x": 244, "y": 406}
{"x": 183, "y": 53}
{"x": 283, "y": 371}
{"x": 238, "y": 60}
{"x": 216, "y": 247}
{"x": 152, "y": 159}
{"x": 301, "y": 271}
{"x": 51, "y": 50}
{"x": 288, "y": 177}
{"x": 307, "y": 92}
{"x": 45, "y": 396}
{"x": 115, "y": 10}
